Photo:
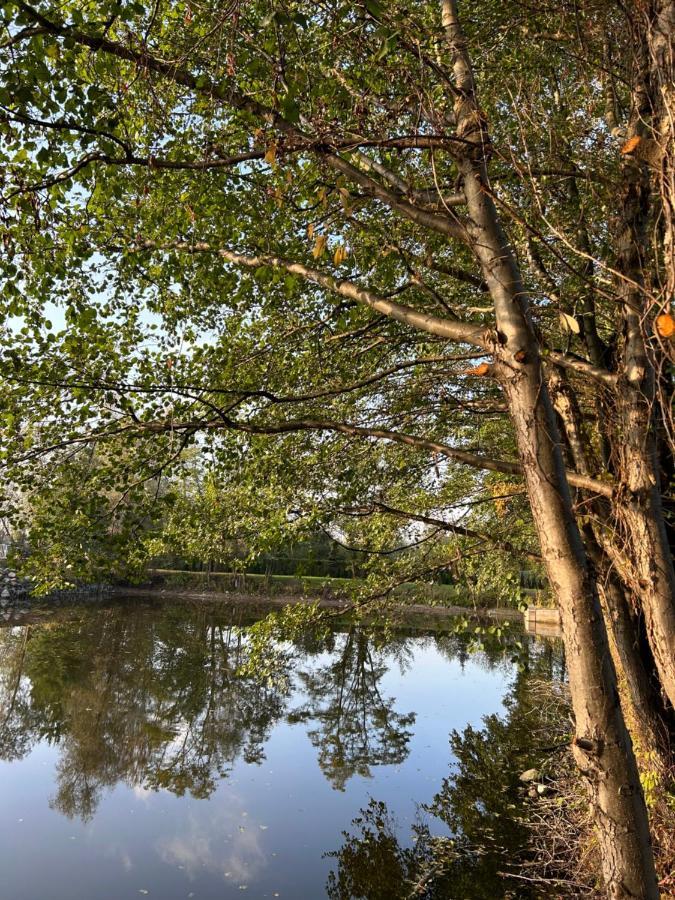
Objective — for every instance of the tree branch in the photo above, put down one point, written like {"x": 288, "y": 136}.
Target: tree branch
{"x": 581, "y": 366}
{"x": 223, "y": 422}
{"x": 229, "y": 94}
{"x": 450, "y": 329}
{"x": 461, "y": 530}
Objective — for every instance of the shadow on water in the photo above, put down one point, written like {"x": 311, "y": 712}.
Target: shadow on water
{"x": 135, "y": 696}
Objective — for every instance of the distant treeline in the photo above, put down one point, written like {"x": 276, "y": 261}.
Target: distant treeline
{"x": 317, "y": 556}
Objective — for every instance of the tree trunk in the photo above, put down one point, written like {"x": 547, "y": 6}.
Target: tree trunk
{"x": 661, "y": 46}
{"x": 640, "y": 517}
{"x": 651, "y": 721}
{"x": 602, "y": 746}
{"x": 638, "y": 509}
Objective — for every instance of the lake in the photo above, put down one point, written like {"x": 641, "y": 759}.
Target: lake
{"x": 137, "y": 760}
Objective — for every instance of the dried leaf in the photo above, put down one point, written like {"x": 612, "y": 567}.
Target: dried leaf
{"x": 319, "y": 246}
{"x": 665, "y": 325}
{"x": 520, "y": 356}
{"x": 631, "y": 144}
{"x": 482, "y": 369}
{"x": 345, "y": 199}
{"x": 569, "y": 323}
{"x": 310, "y": 230}
{"x": 340, "y": 254}
{"x": 271, "y": 154}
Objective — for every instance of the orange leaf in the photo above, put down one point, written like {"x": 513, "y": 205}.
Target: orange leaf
{"x": 665, "y": 325}
{"x": 482, "y": 369}
{"x": 520, "y": 356}
{"x": 631, "y": 144}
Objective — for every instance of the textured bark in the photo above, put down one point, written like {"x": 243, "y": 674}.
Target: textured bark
{"x": 638, "y": 508}
{"x": 640, "y": 517}
{"x": 602, "y": 747}
{"x": 566, "y": 406}
{"x": 652, "y": 721}
{"x": 661, "y": 44}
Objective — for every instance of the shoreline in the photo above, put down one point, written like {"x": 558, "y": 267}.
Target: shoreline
{"x": 279, "y": 601}
{"x": 413, "y": 614}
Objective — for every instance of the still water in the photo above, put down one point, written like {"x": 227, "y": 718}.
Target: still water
{"x": 136, "y": 761}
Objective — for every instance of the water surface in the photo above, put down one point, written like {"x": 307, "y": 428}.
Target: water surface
{"x": 135, "y": 761}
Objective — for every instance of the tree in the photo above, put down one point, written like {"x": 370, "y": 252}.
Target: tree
{"x": 293, "y": 235}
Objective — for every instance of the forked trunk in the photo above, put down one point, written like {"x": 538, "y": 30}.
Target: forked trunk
{"x": 602, "y": 746}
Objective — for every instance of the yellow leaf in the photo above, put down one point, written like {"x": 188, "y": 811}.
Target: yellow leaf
{"x": 310, "y": 230}
{"x": 319, "y": 246}
{"x": 340, "y": 254}
{"x": 271, "y": 154}
{"x": 569, "y": 323}
{"x": 323, "y": 196}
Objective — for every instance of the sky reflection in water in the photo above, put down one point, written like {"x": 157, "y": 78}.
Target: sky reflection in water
{"x": 134, "y": 762}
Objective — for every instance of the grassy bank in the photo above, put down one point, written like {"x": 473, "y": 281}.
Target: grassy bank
{"x": 306, "y": 586}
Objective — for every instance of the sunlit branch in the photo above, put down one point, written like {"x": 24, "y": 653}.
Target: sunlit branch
{"x": 581, "y": 366}
{"x": 230, "y": 95}
{"x": 440, "y": 327}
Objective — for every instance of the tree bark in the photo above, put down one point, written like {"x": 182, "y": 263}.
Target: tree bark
{"x": 638, "y": 508}
{"x": 633, "y": 657}
{"x": 652, "y": 721}
{"x": 602, "y": 746}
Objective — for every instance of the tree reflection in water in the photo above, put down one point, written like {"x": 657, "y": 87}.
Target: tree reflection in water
{"x": 352, "y": 725}
{"x": 157, "y": 701}
{"x": 481, "y": 802}
{"x": 154, "y": 699}
{"x": 137, "y": 698}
